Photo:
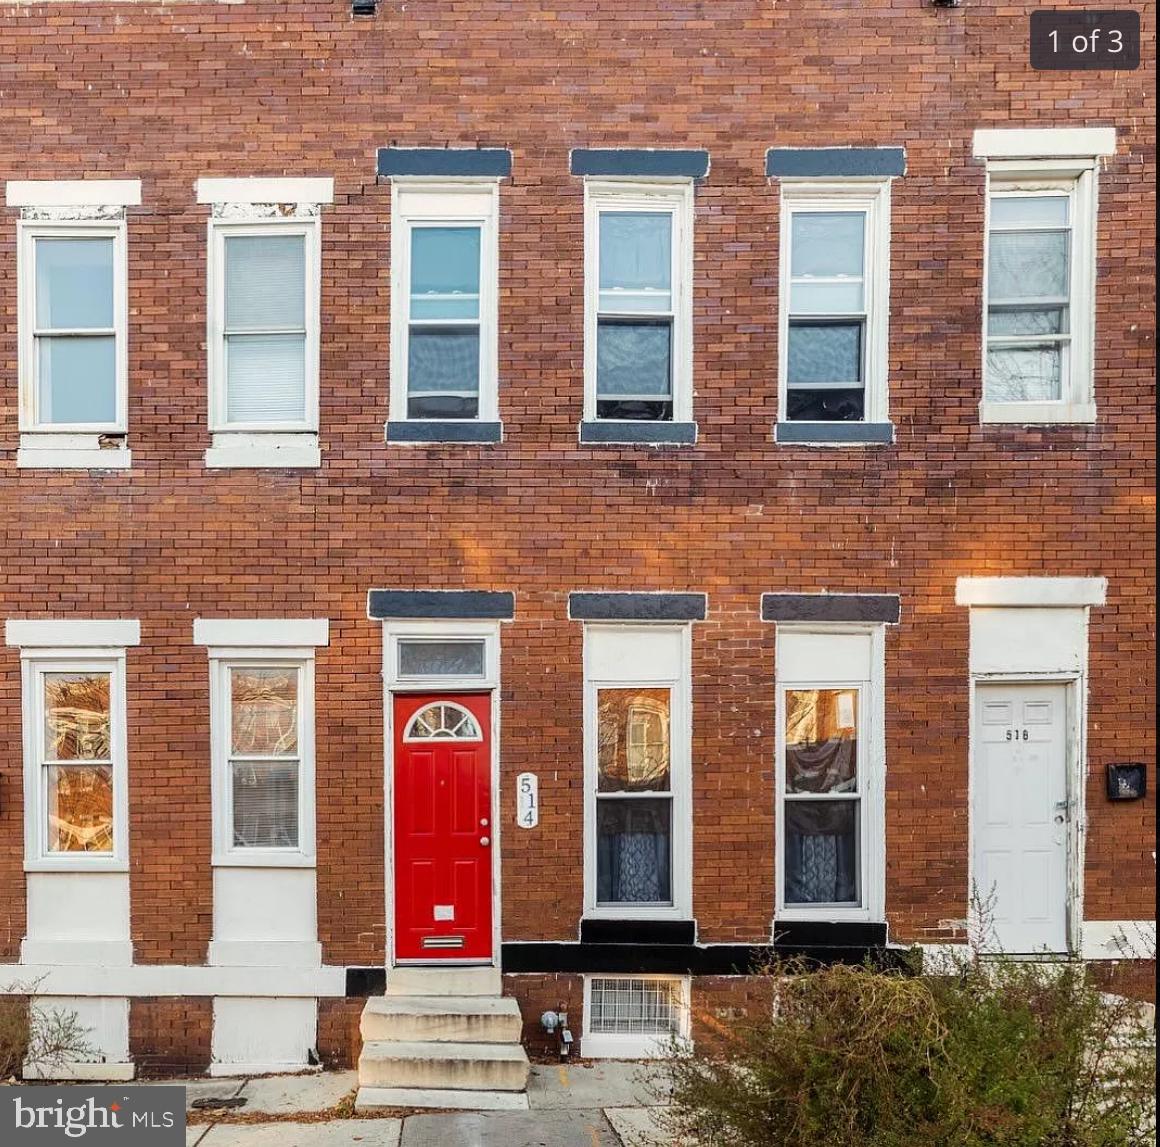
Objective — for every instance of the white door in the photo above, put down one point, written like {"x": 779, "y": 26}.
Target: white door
{"x": 1020, "y": 814}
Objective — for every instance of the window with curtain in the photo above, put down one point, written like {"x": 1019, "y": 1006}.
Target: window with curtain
{"x": 443, "y": 330}
{"x": 635, "y": 316}
{"x": 1028, "y": 296}
{"x": 264, "y": 755}
{"x": 826, "y": 361}
{"x": 634, "y": 798}
{"x": 265, "y": 328}
{"x": 822, "y": 797}
{"x": 76, "y": 761}
{"x": 75, "y": 336}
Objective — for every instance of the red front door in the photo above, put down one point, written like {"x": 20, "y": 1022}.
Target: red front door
{"x": 443, "y": 827}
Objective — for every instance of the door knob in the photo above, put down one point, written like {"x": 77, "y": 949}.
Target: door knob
{"x": 485, "y": 841}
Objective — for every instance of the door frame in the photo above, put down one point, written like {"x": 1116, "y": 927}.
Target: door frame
{"x": 488, "y": 683}
{"x": 1075, "y": 754}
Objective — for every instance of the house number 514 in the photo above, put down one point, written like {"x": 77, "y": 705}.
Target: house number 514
{"x": 527, "y": 800}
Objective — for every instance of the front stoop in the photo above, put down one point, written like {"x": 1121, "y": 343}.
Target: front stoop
{"x": 442, "y": 1051}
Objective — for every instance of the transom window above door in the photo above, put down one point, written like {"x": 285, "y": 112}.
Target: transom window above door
{"x": 442, "y": 721}
{"x": 444, "y": 260}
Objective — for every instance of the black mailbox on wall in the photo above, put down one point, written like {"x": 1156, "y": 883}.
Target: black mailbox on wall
{"x": 1126, "y": 782}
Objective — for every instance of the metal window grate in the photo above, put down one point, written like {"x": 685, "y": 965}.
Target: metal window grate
{"x": 635, "y": 1006}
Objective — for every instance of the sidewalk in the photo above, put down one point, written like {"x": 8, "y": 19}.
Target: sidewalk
{"x": 570, "y": 1105}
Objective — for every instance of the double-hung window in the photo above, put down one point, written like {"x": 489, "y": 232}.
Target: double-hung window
{"x": 834, "y": 303}
{"x": 638, "y": 302}
{"x": 444, "y": 341}
{"x": 263, "y": 320}
{"x": 73, "y": 321}
{"x": 75, "y": 758}
{"x": 830, "y": 774}
{"x": 637, "y": 738}
{"x": 262, "y": 734}
{"x": 1039, "y": 311}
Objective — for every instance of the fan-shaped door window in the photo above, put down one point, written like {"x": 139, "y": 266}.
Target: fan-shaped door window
{"x": 442, "y": 721}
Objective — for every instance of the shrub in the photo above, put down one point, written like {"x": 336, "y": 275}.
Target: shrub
{"x": 998, "y": 1052}
{"x": 37, "y": 1035}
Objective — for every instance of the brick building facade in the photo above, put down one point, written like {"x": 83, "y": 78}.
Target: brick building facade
{"x": 983, "y": 562}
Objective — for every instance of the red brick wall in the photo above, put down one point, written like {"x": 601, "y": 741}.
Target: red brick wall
{"x": 172, "y": 93}
{"x": 170, "y": 1037}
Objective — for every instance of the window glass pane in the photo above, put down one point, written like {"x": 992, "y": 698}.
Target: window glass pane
{"x": 827, "y": 242}
{"x": 629, "y": 1006}
{"x": 265, "y": 378}
{"x": 1029, "y": 210}
{"x": 74, "y": 284}
{"x": 1027, "y": 321}
{"x": 830, "y": 405}
{"x": 1028, "y": 265}
{"x": 264, "y": 711}
{"x": 825, "y": 352}
{"x": 443, "y": 360}
{"x": 77, "y": 379}
{"x": 821, "y": 852}
{"x": 636, "y": 251}
{"x": 442, "y": 723}
{"x": 445, "y": 264}
{"x": 80, "y": 808}
{"x": 633, "y": 740}
{"x": 441, "y": 658}
{"x": 265, "y": 804}
{"x": 76, "y": 717}
{"x": 808, "y": 297}
{"x": 265, "y": 282}
{"x": 634, "y": 358}
{"x": 1024, "y": 374}
{"x": 633, "y": 851}
{"x": 821, "y": 740}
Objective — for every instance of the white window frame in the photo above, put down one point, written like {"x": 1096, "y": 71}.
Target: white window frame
{"x": 219, "y": 230}
{"x": 680, "y": 779}
{"x": 451, "y": 203}
{"x": 676, "y": 198}
{"x": 1077, "y": 180}
{"x": 222, "y": 662}
{"x": 871, "y": 767}
{"x": 617, "y": 1045}
{"x": 873, "y": 198}
{"x": 37, "y": 661}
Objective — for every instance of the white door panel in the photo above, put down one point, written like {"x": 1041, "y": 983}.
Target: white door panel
{"x": 1020, "y": 814}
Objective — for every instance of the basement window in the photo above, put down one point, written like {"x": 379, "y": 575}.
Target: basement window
{"x": 634, "y": 1016}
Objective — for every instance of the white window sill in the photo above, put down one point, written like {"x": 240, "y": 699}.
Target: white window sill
{"x": 264, "y": 954}
{"x": 605, "y": 1045}
{"x": 638, "y": 912}
{"x": 825, "y": 915}
{"x": 79, "y": 862}
{"x": 264, "y": 860}
{"x": 1032, "y": 413}
{"x": 47, "y": 450}
{"x": 270, "y": 451}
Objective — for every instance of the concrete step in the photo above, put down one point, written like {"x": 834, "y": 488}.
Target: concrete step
{"x": 445, "y": 1066}
{"x": 447, "y": 981}
{"x": 439, "y": 1099}
{"x": 443, "y": 1019}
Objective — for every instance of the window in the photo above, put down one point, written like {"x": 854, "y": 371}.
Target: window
{"x": 834, "y": 302}
{"x": 72, "y": 317}
{"x": 638, "y": 301}
{"x": 263, "y": 320}
{"x": 442, "y": 722}
{"x": 830, "y": 774}
{"x": 444, "y": 343}
{"x": 638, "y": 738}
{"x": 1039, "y": 313}
{"x": 75, "y": 759}
{"x": 264, "y": 353}
{"x": 634, "y": 1016}
{"x": 262, "y": 738}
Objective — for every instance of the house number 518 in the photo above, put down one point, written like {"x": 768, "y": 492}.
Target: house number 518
{"x": 1017, "y": 735}
{"x": 527, "y": 800}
